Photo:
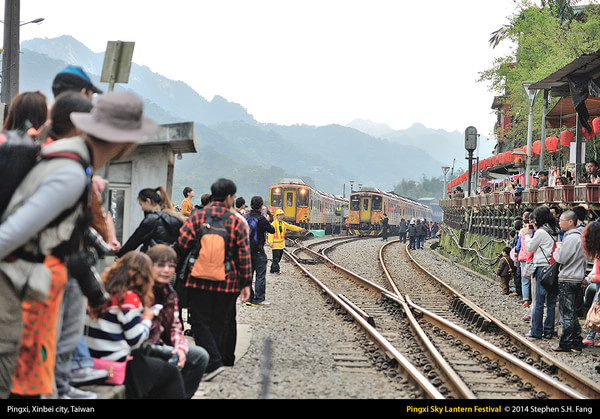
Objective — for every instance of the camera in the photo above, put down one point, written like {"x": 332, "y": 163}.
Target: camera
{"x": 81, "y": 266}
{"x": 160, "y": 351}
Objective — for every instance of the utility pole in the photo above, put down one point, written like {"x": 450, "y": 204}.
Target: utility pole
{"x": 10, "y": 56}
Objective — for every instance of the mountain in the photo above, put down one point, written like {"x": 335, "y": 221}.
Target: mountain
{"x": 233, "y": 144}
{"x": 447, "y": 147}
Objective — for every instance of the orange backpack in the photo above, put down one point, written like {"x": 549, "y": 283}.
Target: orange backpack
{"x": 212, "y": 262}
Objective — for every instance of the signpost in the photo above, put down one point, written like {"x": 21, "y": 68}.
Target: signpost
{"x": 470, "y": 146}
{"x": 117, "y": 63}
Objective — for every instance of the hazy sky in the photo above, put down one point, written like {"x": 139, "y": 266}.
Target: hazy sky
{"x": 305, "y": 62}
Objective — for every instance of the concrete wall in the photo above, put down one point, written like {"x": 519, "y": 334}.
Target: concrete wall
{"x": 150, "y": 165}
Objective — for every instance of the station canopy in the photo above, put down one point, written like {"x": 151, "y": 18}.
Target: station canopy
{"x": 579, "y": 80}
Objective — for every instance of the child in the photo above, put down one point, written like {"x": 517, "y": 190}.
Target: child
{"x": 506, "y": 268}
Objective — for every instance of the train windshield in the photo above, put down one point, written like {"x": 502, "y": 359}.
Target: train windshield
{"x": 376, "y": 205}
{"x": 302, "y": 199}
{"x": 354, "y": 203}
{"x": 276, "y": 199}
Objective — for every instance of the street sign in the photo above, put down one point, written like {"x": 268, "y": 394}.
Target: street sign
{"x": 471, "y": 138}
{"x": 117, "y": 63}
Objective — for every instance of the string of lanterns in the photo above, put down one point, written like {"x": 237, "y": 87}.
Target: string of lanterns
{"x": 551, "y": 144}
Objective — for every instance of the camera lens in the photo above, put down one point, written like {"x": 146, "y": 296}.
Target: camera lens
{"x": 81, "y": 267}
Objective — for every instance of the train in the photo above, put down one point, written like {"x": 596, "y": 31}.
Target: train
{"x": 368, "y": 204}
{"x": 308, "y": 207}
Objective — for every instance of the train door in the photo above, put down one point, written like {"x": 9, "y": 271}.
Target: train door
{"x": 289, "y": 205}
{"x": 365, "y": 209}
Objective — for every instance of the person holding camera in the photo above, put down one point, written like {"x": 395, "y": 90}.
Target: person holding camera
{"x": 167, "y": 331}
{"x": 541, "y": 243}
{"x": 47, "y": 212}
{"x": 119, "y": 330}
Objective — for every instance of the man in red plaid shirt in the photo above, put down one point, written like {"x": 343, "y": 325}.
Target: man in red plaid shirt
{"x": 212, "y": 303}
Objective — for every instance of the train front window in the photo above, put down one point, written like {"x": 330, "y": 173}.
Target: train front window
{"x": 302, "y": 200}
{"x": 365, "y": 204}
{"x": 276, "y": 199}
{"x": 377, "y": 203}
{"x": 289, "y": 199}
{"x": 354, "y": 203}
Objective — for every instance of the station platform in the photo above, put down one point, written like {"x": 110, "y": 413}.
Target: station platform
{"x": 244, "y": 335}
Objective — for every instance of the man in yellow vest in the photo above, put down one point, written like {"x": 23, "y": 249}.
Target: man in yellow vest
{"x": 277, "y": 240}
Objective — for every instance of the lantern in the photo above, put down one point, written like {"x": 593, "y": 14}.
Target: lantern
{"x": 588, "y": 136}
{"x": 536, "y": 147}
{"x": 551, "y": 143}
{"x": 565, "y": 138}
{"x": 596, "y": 126}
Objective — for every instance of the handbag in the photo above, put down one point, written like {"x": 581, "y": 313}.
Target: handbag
{"x": 528, "y": 270}
{"x": 549, "y": 275}
{"x": 592, "y": 319}
{"x": 116, "y": 369}
{"x": 549, "y": 278}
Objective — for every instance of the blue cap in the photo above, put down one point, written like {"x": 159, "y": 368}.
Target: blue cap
{"x": 73, "y": 73}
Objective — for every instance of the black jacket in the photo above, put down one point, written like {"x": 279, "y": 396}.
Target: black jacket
{"x": 156, "y": 228}
{"x": 263, "y": 227}
{"x": 402, "y": 227}
{"x": 421, "y": 229}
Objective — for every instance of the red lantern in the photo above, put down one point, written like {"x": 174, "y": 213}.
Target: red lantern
{"x": 536, "y": 147}
{"x": 551, "y": 143}
{"x": 566, "y": 137}
{"x": 596, "y": 126}
{"x": 586, "y": 134}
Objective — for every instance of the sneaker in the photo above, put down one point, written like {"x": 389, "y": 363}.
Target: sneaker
{"x": 75, "y": 393}
{"x": 578, "y": 349}
{"x": 259, "y": 304}
{"x": 558, "y": 348}
{"x": 210, "y": 375}
{"x": 512, "y": 294}
{"x": 86, "y": 375}
{"x": 526, "y": 304}
{"x": 527, "y": 317}
{"x": 529, "y": 335}
{"x": 588, "y": 342}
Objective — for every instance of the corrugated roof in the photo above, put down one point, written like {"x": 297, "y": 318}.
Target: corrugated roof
{"x": 563, "y": 113}
{"x": 585, "y": 65}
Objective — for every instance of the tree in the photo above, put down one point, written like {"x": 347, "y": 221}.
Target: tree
{"x": 546, "y": 38}
{"x": 561, "y": 9}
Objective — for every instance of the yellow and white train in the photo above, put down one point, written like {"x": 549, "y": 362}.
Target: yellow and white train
{"x": 308, "y": 207}
{"x": 368, "y": 204}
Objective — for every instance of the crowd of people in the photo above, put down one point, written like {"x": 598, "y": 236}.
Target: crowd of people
{"x": 543, "y": 236}
{"x": 63, "y": 324}
{"x": 543, "y": 178}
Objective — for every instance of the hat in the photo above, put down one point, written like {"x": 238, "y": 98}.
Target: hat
{"x": 116, "y": 118}
{"x": 412, "y": 221}
{"x": 279, "y": 211}
{"x": 543, "y": 172}
{"x": 73, "y": 78}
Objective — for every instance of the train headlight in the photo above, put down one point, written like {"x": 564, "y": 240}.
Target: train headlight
{"x": 302, "y": 191}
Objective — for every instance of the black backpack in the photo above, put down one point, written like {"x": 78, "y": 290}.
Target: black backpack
{"x": 253, "y": 232}
{"x": 19, "y": 153}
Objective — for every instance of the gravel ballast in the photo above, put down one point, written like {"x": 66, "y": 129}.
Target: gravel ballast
{"x": 304, "y": 333}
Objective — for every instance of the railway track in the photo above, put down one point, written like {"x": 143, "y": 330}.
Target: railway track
{"x": 437, "y": 340}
